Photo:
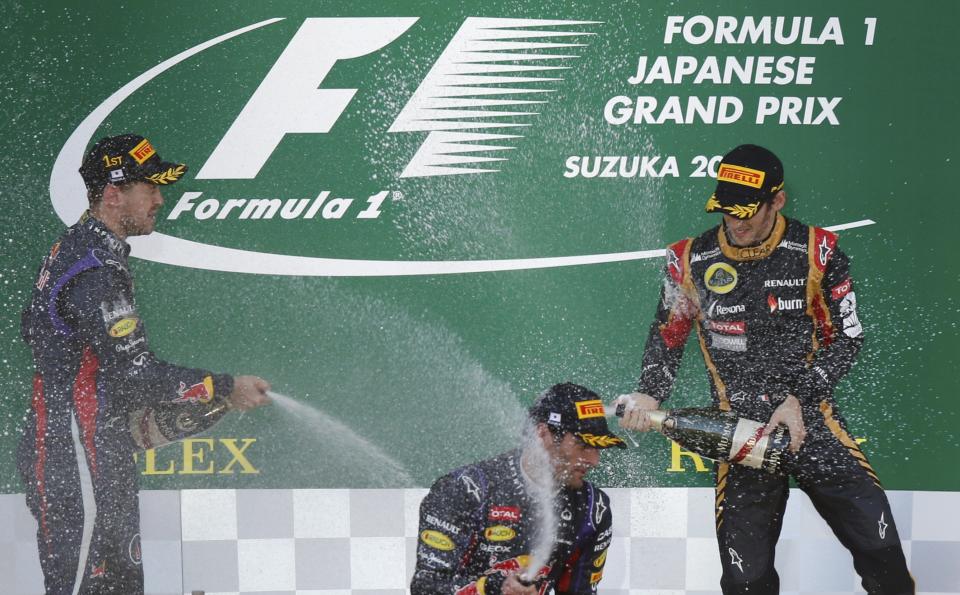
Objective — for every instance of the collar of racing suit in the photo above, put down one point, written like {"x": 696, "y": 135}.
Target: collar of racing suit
{"x": 107, "y": 237}
{"x": 761, "y": 250}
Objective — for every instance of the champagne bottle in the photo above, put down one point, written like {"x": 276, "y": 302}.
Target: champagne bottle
{"x": 722, "y": 436}
{"x": 163, "y": 423}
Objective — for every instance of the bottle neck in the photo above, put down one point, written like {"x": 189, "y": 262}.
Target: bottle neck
{"x": 657, "y": 419}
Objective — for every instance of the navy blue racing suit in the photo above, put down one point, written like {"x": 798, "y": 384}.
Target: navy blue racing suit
{"x": 772, "y": 320}
{"x": 93, "y": 367}
{"x": 477, "y": 526}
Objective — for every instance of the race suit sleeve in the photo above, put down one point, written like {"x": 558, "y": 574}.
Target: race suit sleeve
{"x": 840, "y": 334}
{"x": 449, "y": 518}
{"x": 98, "y": 304}
{"x": 665, "y": 342}
{"x": 584, "y": 569}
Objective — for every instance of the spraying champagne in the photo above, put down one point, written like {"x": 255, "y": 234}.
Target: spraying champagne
{"x": 195, "y": 411}
{"x": 722, "y": 436}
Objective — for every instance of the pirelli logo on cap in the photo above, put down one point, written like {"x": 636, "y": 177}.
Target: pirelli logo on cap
{"x": 588, "y": 409}
{"x": 142, "y": 152}
{"x": 740, "y": 175}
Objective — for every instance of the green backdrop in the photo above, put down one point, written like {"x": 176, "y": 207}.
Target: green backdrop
{"x": 432, "y": 369}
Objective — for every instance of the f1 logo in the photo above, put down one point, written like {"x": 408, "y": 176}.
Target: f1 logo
{"x": 456, "y": 95}
{"x": 289, "y": 100}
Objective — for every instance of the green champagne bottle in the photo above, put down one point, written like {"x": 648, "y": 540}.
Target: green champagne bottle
{"x": 723, "y": 436}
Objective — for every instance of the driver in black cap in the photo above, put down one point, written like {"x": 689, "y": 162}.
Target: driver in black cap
{"x": 773, "y": 305}
{"x": 480, "y": 525}
{"x": 94, "y": 366}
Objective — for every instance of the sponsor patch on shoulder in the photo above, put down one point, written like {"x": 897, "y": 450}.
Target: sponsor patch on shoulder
{"x": 201, "y": 392}
{"x": 841, "y": 290}
{"x": 443, "y": 524}
{"x": 499, "y": 533}
{"x": 436, "y": 540}
{"x": 123, "y": 327}
{"x": 510, "y": 514}
{"x": 598, "y": 562}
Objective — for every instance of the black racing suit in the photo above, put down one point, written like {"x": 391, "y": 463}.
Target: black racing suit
{"x": 477, "y": 525}
{"x": 93, "y": 367}
{"x": 776, "y": 319}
